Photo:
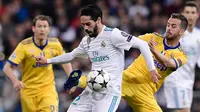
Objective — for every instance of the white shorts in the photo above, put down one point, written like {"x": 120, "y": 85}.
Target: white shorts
{"x": 94, "y": 102}
{"x": 177, "y": 97}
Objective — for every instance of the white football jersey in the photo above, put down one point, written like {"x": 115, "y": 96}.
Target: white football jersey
{"x": 106, "y": 51}
{"x": 184, "y": 76}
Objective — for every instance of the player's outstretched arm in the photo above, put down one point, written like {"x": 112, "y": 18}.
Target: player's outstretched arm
{"x": 168, "y": 62}
{"x": 64, "y": 58}
{"x": 8, "y": 70}
{"x": 123, "y": 40}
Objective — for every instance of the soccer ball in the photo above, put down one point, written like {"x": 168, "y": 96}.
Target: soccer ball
{"x": 97, "y": 80}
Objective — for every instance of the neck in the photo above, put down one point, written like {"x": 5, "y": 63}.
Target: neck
{"x": 190, "y": 28}
{"x": 40, "y": 42}
{"x": 100, "y": 28}
{"x": 173, "y": 42}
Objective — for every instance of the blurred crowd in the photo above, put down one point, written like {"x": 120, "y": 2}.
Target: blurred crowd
{"x": 136, "y": 17}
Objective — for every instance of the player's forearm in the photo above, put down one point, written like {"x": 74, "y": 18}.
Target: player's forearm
{"x": 164, "y": 60}
{"x": 9, "y": 72}
{"x": 65, "y": 58}
{"x": 144, "y": 49}
{"x": 67, "y": 68}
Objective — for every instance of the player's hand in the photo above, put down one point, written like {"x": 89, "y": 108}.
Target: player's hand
{"x": 41, "y": 59}
{"x": 151, "y": 45}
{"x": 18, "y": 85}
{"x": 155, "y": 76}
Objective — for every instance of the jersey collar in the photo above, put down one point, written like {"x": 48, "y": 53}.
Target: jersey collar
{"x": 166, "y": 47}
{"x": 41, "y": 47}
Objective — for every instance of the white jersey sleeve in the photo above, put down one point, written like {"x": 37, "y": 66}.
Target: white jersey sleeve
{"x": 68, "y": 57}
{"x": 125, "y": 41}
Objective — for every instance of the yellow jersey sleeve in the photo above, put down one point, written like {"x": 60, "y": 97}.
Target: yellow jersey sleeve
{"x": 60, "y": 49}
{"x": 18, "y": 55}
{"x": 56, "y": 43}
{"x": 146, "y": 37}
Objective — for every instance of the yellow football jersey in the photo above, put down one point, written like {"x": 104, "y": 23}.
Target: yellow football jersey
{"x": 36, "y": 76}
{"x": 138, "y": 72}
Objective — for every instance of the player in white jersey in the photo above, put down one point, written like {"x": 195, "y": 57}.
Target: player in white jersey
{"x": 178, "y": 86}
{"x": 105, "y": 48}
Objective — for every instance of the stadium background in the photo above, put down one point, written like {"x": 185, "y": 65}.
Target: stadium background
{"x": 133, "y": 16}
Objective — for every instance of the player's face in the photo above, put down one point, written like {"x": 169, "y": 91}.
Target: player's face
{"x": 90, "y": 26}
{"x": 41, "y": 29}
{"x": 173, "y": 29}
{"x": 191, "y": 14}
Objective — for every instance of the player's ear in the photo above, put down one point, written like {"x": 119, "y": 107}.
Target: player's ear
{"x": 99, "y": 20}
{"x": 181, "y": 31}
{"x": 33, "y": 28}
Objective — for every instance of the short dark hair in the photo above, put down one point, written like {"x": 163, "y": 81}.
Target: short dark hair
{"x": 190, "y": 4}
{"x": 44, "y": 18}
{"x": 184, "y": 21}
{"x": 93, "y": 11}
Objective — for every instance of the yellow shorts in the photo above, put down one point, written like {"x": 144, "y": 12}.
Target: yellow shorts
{"x": 139, "y": 98}
{"x": 46, "y": 101}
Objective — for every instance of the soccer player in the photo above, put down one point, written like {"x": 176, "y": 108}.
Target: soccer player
{"x": 37, "y": 88}
{"x": 105, "y": 48}
{"x": 178, "y": 87}
{"x": 137, "y": 87}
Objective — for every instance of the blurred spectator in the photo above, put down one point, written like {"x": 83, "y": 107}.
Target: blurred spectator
{"x": 138, "y": 8}
{"x": 173, "y": 7}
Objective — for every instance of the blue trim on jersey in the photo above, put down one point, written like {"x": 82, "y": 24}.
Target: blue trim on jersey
{"x": 166, "y": 47}
{"x": 12, "y": 63}
{"x": 176, "y": 64}
{"x": 113, "y": 103}
{"x": 176, "y": 97}
{"x": 108, "y": 29}
{"x": 41, "y": 47}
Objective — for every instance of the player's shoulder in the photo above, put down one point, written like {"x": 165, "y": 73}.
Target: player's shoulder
{"x": 158, "y": 35}
{"x": 53, "y": 39}
{"x": 27, "y": 41}
{"x": 196, "y": 30}
{"x": 180, "y": 49}
{"x": 154, "y": 35}
{"x": 108, "y": 29}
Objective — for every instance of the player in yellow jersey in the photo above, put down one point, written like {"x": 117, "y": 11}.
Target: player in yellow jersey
{"x": 37, "y": 88}
{"x": 137, "y": 87}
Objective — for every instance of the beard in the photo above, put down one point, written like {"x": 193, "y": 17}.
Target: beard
{"x": 172, "y": 36}
{"x": 94, "y": 33}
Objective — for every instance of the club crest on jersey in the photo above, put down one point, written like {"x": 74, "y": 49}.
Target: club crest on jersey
{"x": 124, "y": 34}
{"x": 103, "y": 44}
{"x": 172, "y": 55}
{"x": 52, "y": 53}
